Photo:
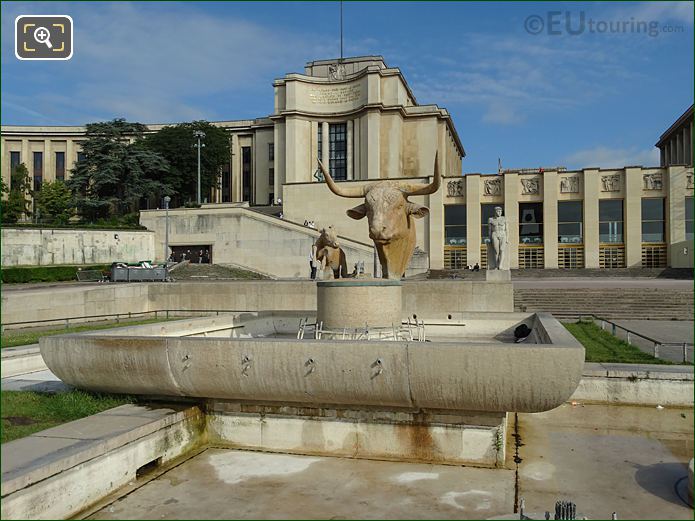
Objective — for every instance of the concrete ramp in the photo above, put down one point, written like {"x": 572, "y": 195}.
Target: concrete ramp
{"x": 248, "y": 239}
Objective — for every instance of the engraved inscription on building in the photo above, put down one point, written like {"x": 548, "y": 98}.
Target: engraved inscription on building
{"x": 336, "y": 95}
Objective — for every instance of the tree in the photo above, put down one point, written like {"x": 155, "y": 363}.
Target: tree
{"x": 54, "y": 203}
{"x": 18, "y": 202}
{"x": 117, "y": 170}
{"x": 175, "y": 144}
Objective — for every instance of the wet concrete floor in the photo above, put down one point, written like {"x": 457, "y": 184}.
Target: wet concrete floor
{"x": 604, "y": 458}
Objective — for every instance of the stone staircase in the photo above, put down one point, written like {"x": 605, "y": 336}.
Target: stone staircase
{"x": 610, "y": 303}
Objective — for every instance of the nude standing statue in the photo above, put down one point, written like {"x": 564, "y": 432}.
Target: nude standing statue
{"x": 497, "y": 253}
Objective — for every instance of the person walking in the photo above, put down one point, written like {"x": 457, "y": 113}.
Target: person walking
{"x": 313, "y": 263}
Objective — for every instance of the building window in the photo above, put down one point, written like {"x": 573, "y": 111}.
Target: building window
{"x": 320, "y": 142}
{"x": 337, "y": 139}
{"x": 38, "y": 170}
{"x": 653, "y": 222}
{"x": 570, "y": 220}
{"x": 689, "y": 219}
{"x": 246, "y": 173}
{"x": 271, "y": 151}
{"x": 14, "y": 161}
{"x": 226, "y": 183}
{"x": 486, "y": 211}
{"x": 610, "y": 220}
{"x": 271, "y": 176}
{"x": 60, "y": 166}
{"x": 455, "y": 225}
{"x": 531, "y": 223}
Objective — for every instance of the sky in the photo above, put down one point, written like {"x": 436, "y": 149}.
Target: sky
{"x": 535, "y": 84}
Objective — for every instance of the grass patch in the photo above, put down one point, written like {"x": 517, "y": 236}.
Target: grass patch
{"x": 25, "y": 337}
{"x": 24, "y": 413}
{"x": 601, "y": 346}
{"x": 22, "y": 275}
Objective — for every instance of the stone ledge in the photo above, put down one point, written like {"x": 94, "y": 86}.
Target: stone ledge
{"x": 46, "y": 453}
{"x": 639, "y": 371}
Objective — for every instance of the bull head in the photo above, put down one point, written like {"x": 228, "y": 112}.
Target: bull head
{"x": 390, "y": 215}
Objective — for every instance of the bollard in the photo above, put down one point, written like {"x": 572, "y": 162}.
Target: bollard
{"x": 656, "y": 350}
{"x": 628, "y": 336}
{"x": 685, "y": 352}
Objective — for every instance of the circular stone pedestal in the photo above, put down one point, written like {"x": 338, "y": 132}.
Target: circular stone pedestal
{"x": 350, "y": 303}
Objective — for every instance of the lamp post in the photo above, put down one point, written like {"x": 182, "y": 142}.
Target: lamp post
{"x": 167, "y": 199}
{"x": 198, "y": 134}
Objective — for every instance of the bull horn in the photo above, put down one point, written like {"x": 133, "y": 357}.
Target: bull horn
{"x": 424, "y": 189}
{"x": 352, "y": 191}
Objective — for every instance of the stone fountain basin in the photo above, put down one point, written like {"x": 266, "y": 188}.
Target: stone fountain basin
{"x": 470, "y": 363}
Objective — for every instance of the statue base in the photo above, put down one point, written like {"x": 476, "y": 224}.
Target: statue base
{"x": 498, "y": 275}
{"x": 359, "y": 303}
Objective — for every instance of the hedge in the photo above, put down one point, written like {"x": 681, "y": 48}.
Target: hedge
{"x": 46, "y": 273}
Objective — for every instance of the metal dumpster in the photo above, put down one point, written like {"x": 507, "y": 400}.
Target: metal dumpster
{"x": 128, "y": 273}
{"x": 149, "y": 274}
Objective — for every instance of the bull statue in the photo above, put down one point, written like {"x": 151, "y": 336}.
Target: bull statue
{"x": 330, "y": 254}
{"x": 391, "y": 216}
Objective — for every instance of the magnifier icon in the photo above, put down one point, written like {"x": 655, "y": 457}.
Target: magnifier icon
{"x": 42, "y": 35}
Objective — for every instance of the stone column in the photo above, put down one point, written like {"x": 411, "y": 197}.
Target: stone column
{"x": 325, "y": 145}
{"x": 24, "y": 157}
{"x": 675, "y": 182}
{"x": 70, "y": 157}
{"x": 314, "y": 147}
{"x": 357, "y": 144}
{"x": 49, "y": 169}
{"x": 373, "y": 144}
{"x": 632, "y": 225}
{"x": 436, "y": 227}
{"x": 550, "y": 191}
{"x": 591, "y": 236}
{"x": 511, "y": 211}
{"x": 291, "y": 152}
{"x": 279, "y": 139}
{"x": 678, "y": 138}
{"x": 236, "y": 169}
{"x": 473, "y": 238}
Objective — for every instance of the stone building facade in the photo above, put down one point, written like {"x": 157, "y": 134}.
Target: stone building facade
{"x": 360, "y": 117}
{"x": 590, "y": 218}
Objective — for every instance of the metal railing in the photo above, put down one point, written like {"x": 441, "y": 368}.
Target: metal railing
{"x": 656, "y": 345}
{"x": 165, "y": 313}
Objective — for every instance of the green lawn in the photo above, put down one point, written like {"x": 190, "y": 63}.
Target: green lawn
{"x": 24, "y": 413}
{"x": 24, "y": 337}
{"x": 601, "y": 346}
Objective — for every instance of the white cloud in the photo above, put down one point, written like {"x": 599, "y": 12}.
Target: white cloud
{"x": 149, "y": 64}
{"x": 606, "y": 157}
{"x": 515, "y": 77}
